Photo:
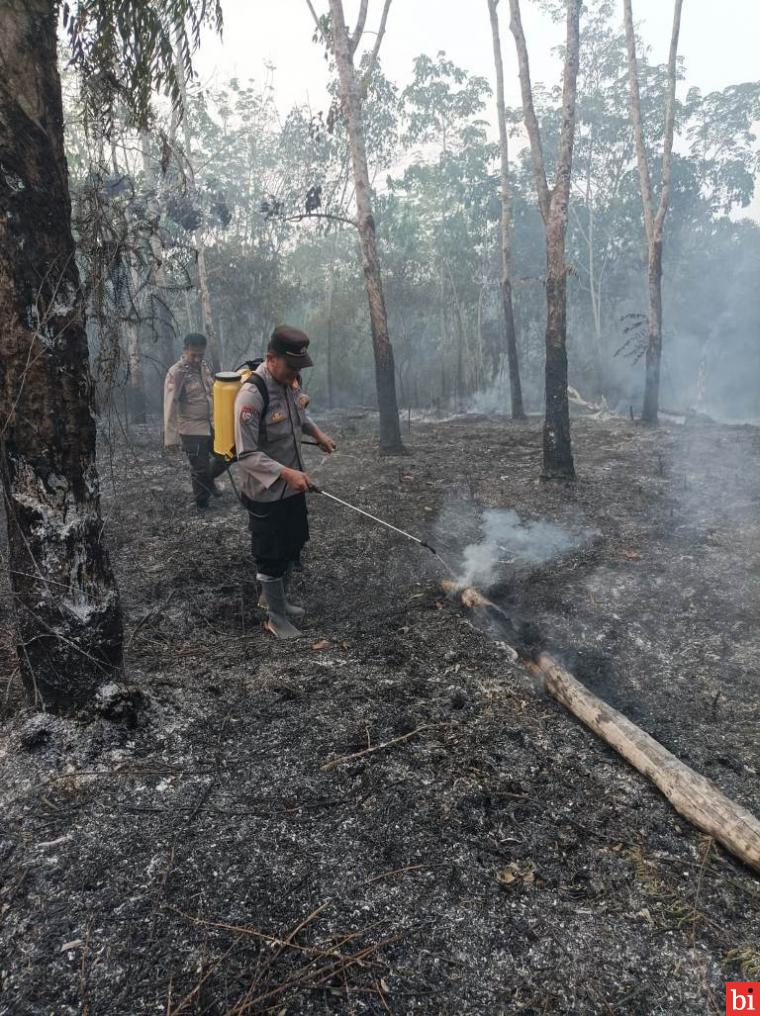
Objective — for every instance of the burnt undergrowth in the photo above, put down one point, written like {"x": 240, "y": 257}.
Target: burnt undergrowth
{"x": 389, "y": 816}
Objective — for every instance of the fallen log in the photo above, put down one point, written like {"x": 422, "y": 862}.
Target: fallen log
{"x": 693, "y": 796}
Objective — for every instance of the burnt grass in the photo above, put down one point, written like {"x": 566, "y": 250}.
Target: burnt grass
{"x": 208, "y": 845}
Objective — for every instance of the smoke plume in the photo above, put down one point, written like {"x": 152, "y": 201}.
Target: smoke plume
{"x": 507, "y": 540}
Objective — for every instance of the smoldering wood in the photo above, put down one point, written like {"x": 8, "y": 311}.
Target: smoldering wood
{"x": 693, "y": 796}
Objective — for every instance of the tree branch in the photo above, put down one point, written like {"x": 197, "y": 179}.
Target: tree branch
{"x": 322, "y": 215}
{"x": 529, "y": 112}
{"x": 317, "y": 22}
{"x": 356, "y": 37}
{"x": 670, "y": 117}
{"x": 638, "y": 130}
{"x": 378, "y": 40}
{"x": 569, "y": 92}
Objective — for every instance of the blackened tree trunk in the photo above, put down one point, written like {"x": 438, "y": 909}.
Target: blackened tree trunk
{"x": 65, "y": 596}
{"x": 510, "y": 334}
{"x": 654, "y": 223}
{"x": 554, "y": 204}
{"x": 385, "y": 376}
{"x": 558, "y": 456}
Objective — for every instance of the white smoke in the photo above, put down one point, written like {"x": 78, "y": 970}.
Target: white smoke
{"x": 505, "y": 539}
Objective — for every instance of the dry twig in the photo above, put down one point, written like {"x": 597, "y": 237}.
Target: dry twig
{"x": 377, "y": 747}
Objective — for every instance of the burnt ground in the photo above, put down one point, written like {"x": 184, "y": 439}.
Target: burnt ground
{"x": 219, "y": 853}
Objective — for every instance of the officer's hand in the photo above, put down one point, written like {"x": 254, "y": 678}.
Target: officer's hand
{"x": 326, "y": 443}
{"x": 296, "y": 480}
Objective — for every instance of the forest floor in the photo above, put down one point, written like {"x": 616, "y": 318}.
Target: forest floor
{"x": 222, "y": 853}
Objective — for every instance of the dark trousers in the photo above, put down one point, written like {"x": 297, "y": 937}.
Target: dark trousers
{"x": 205, "y": 464}
{"x": 279, "y": 530}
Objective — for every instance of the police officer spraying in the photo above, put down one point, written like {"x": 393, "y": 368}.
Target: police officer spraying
{"x": 270, "y": 419}
{"x": 188, "y": 406}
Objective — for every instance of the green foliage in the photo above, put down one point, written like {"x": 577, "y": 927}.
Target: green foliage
{"x": 126, "y": 48}
{"x": 273, "y": 201}
{"x": 723, "y": 144}
{"x": 441, "y": 99}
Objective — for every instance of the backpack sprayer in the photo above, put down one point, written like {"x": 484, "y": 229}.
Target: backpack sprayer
{"x": 227, "y": 384}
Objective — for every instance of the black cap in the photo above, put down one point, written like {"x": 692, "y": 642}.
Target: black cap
{"x": 293, "y": 344}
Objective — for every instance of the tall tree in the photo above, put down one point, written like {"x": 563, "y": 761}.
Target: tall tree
{"x": 69, "y": 633}
{"x": 510, "y": 335}
{"x": 558, "y": 456}
{"x": 159, "y": 313}
{"x": 599, "y": 236}
{"x": 654, "y": 222}
{"x": 344, "y": 47}
{"x": 209, "y": 328}
{"x": 454, "y": 192}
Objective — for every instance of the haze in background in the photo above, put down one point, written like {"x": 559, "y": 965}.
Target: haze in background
{"x": 272, "y": 42}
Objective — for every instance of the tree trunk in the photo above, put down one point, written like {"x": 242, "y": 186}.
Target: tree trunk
{"x": 654, "y": 343}
{"x": 204, "y": 293}
{"x": 558, "y": 456}
{"x": 594, "y": 285}
{"x": 653, "y": 223}
{"x": 135, "y": 381}
{"x": 65, "y": 595}
{"x": 329, "y": 350}
{"x": 189, "y": 313}
{"x": 460, "y": 340}
{"x": 693, "y": 796}
{"x": 510, "y": 335}
{"x": 131, "y": 307}
{"x": 159, "y": 310}
{"x": 209, "y": 330}
{"x": 385, "y": 377}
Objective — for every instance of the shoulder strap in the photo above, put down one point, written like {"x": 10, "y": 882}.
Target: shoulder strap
{"x": 260, "y": 385}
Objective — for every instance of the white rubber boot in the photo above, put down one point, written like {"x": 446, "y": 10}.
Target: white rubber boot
{"x": 273, "y": 597}
{"x": 291, "y": 609}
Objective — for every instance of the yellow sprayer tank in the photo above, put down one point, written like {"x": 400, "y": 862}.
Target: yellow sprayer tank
{"x": 226, "y": 386}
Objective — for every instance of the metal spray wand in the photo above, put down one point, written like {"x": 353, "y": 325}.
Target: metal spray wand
{"x": 415, "y": 539}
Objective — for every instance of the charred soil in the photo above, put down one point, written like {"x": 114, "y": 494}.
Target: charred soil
{"x": 388, "y": 815}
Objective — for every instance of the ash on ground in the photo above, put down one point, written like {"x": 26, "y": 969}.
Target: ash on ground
{"x": 235, "y": 847}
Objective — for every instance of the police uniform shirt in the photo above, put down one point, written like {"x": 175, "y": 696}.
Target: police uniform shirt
{"x": 188, "y": 401}
{"x": 263, "y": 451}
